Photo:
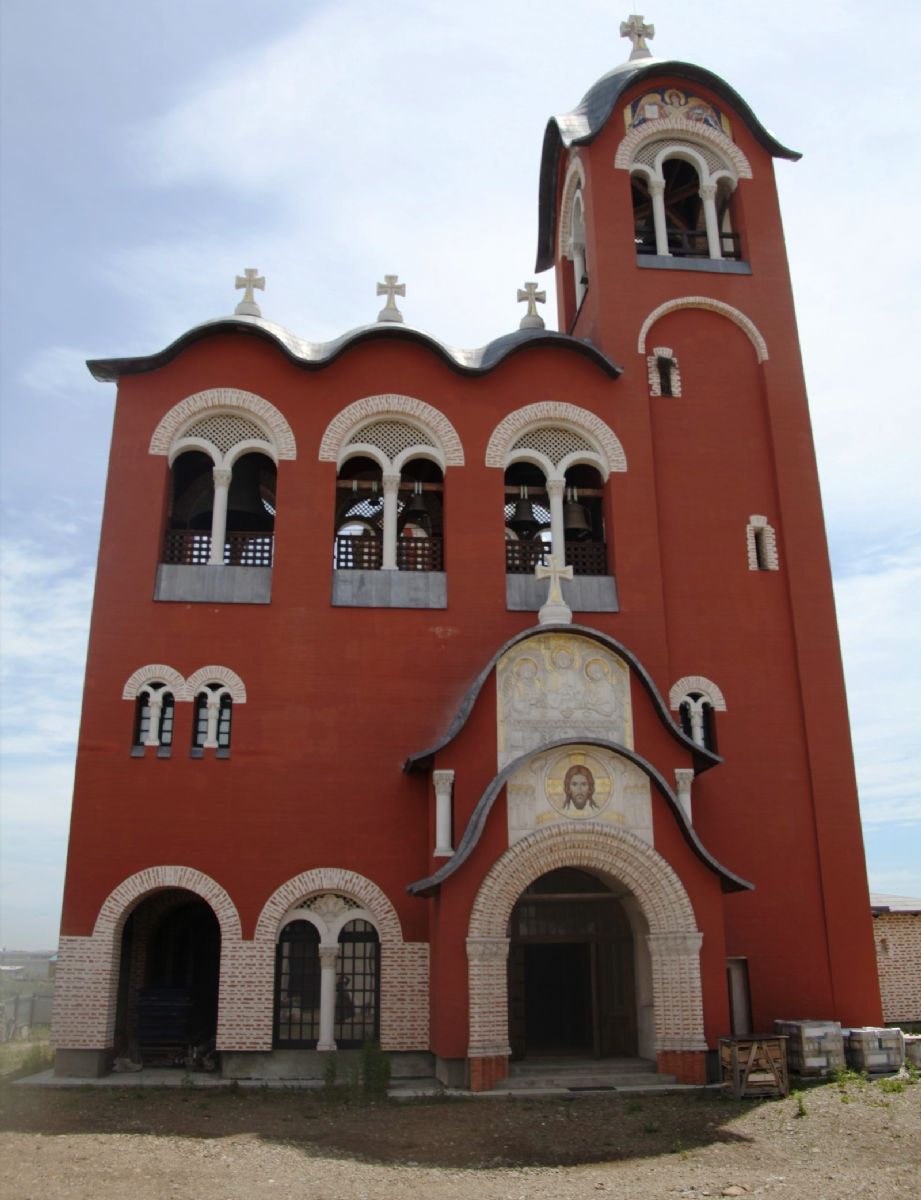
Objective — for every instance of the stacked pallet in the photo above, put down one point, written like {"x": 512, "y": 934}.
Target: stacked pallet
{"x": 814, "y": 1048}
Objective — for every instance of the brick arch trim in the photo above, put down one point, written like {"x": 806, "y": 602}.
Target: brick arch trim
{"x": 592, "y": 846}
{"x": 159, "y": 671}
{"x": 554, "y": 411}
{"x": 653, "y": 130}
{"x": 266, "y": 414}
{"x": 216, "y": 674}
{"x": 747, "y": 326}
{"x": 575, "y": 179}
{"x": 696, "y": 683}
{"x": 330, "y": 879}
{"x": 391, "y": 404}
{"x": 119, "y": 902}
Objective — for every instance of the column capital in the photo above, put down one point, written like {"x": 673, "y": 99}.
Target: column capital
{"x": 222, "y": 476}
{"x": 443, "y": 781}
{"x": 390, "y": 481}
{"x": 555, "y": 488}
{"x": 656, "y": 187}
{"x": 708, "y": 191}
{"x": 487, "y": 949}
{"x": 328, "y": 956}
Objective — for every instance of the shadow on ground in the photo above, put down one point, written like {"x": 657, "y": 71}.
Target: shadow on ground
{"x": 471, "y": 1133}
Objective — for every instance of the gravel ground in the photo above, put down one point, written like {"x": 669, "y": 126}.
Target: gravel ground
{"x": 851, "y": 1139}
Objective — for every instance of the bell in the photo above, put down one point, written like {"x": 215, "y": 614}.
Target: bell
{"x": 576, "y": 520}
{"x": 522, "y": 520}
{"x": 415, "y": 511}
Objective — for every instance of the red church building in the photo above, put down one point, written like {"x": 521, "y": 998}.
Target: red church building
{"x": 485, "y": 703}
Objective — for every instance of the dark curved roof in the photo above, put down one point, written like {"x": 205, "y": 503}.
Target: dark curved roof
{"x": 314, "y": 355}
{"x": 729, "y": 881}
{"x": 703, "y": 759}
{"x": 584, "y": 123}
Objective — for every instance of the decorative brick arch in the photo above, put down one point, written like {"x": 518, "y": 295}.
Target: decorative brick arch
{"x": 684, "y": 132}
{"x": 199, "y": 404}
{"x": 575, "y": 179}
{"x": 87, "y": 992}
{"x": 404, "y": 965}
{"x": 327, "y": 879}
{"x": 155, "y": 671}
{"x": 216, "y": 674}
{"x": 696, "y": 683}
{"x": 674, "y": 940}
{"x": 391, "y": 405}
{"x": 559, "y": 413}
{"x": 747, "y": 326}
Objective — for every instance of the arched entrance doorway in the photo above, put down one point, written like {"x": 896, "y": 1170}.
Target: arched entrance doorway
{"x": 571, "y": 984}
{"x": 168, "y": 981}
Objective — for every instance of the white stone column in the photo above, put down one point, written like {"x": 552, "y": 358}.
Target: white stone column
{"x": 696, "y": 713}
{"x": 683, "y": 779}
{"x": 222, "y": 477}
{"x": 155, "y": 707}
{"x": 708, "y": 196}
{"x": 555, "y": 489}
{"x": 444, "y": 788}
{"x": 214, "y": 712}
{"x": 391, "y": 484}
{"x": 329, "y": 956}
{"x": 657, "y": 192}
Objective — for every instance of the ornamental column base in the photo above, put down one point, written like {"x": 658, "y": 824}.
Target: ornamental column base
{"x": 485, "y": 1073}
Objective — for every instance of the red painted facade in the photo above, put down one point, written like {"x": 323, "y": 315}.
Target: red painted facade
{"x": 338, "y": 697}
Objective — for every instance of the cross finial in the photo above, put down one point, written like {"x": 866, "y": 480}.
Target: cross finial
{"x": 249, "y": 279}
{"x": 637, "y": 31}
{"x": 556, "y": 611}
{"x": 390, "y": 288}
{"x": 532, "y": 319}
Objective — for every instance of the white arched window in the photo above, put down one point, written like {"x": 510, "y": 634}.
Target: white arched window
{"x": 223, "y": 447}
{"x": 696, "y": 700}
{"x": 154, "y": 710}
{"x": 572, "y": 228}
{"x": 389, "y": 510}
{"x": 761, "y": 545}
{"x": 214, "y": 692}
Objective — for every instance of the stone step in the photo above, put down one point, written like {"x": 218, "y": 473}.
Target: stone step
{"x": 585, "y": 1083}
{"x": 582, "y": 1066}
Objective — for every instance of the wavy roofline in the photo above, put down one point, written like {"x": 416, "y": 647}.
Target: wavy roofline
{"x": 316, "y": 355}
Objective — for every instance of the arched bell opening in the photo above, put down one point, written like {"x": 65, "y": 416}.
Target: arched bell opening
{"x": 167, "y": 1004}
{"x": 420, "y": 517}
{"x": 527, "y": 518}
{"x": 191, "y": 509}
{"x": 251, "y": 511}
{"x": 583, "y": 521}
{"x": 572, "y": 970}
{"x": 359, "y": 515}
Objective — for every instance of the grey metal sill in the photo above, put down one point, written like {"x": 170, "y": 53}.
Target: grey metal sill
{"x": 390, "y": 589}
{"x": 711, "y": 266}
{"x": 208, "y": 584}
{"x": 583, "y": 593}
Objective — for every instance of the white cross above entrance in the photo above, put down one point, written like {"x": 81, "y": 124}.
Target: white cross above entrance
{"x": 532, "y": 318}
{"x": 390, "y": 288}
{"x": 249, "y": 279}
{"x": 556, "y": 611}
{"x": 637, "y": 31}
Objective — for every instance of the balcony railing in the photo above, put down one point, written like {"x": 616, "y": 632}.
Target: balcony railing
{"x": 354, "y": 552}
{"x": 191, "y": 547}
{"x": 585, "y": 558}
{"x": 689, "y": 243}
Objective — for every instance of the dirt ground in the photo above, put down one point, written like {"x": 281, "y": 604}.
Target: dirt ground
{"x": 848, "y": 1139}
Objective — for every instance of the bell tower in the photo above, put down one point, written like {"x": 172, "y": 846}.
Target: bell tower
{"x": 659, "y": 214}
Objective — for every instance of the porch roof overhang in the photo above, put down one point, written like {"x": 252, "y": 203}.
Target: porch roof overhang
{"x": 729, "y": 881}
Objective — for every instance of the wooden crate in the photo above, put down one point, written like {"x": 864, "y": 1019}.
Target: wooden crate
{"x": 755, "y": 1065}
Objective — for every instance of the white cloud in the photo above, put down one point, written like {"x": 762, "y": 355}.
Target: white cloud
{"x": 60, "y": 371}
{"x": 881, "y": 646}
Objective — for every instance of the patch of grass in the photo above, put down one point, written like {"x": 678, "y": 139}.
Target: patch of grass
{"x": 801, "y": 1109}
{"x": 891, "y": 1085}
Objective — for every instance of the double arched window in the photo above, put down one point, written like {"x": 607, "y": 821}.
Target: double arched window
{"x": 681, "y": 201}
{"x": 327, "y": 977}
{"x": 696, "y": 700}
{"x": 156, "y": 689}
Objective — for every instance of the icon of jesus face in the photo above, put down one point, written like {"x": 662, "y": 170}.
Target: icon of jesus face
{"x": 579, "y": 788}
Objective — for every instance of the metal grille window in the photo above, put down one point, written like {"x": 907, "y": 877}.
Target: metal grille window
{"x": 358, "y": 986}
{"x": 226, "y": 431}
{"x": 297, "y": 986}
{"x": 554, "y": 441}
{"x": 393, "y": 437}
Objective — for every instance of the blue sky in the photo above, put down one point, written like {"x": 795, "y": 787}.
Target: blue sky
{"x": 151, "y": 151}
